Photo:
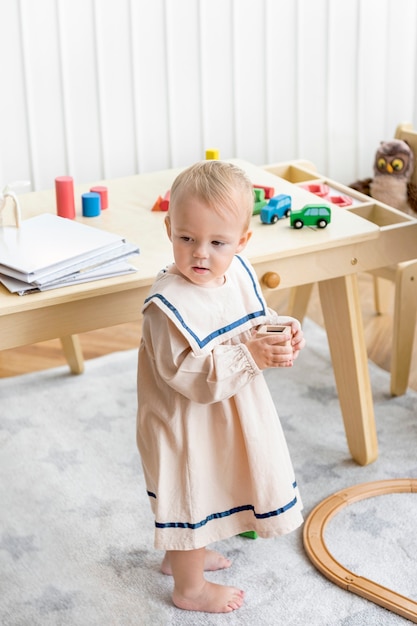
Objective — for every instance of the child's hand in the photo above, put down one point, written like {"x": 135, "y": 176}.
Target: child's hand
{"x": 297, "y": 340}
{"x": 269, "y": 351}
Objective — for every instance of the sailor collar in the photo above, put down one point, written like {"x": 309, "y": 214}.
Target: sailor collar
{"x": 208, "y": 317}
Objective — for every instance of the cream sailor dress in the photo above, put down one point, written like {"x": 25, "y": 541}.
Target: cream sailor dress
{"x": 215, "y": 459}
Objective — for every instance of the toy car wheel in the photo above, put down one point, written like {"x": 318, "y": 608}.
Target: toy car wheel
{"x": 287, "y": 212}
{"x": 298, "y": 223}
{"x": 322, "y": 223}
{"x": 274, "y": 219}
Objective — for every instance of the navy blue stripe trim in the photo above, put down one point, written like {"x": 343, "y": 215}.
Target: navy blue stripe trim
{"x": 220, "y": 331}
{"x": 254, "y": 284}
{"x": 237, "y": 509}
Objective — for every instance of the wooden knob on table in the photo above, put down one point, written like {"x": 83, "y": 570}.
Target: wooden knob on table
{"x": 271, "y": 280}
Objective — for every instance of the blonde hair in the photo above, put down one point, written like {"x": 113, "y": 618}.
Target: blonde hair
{"x": 223, "y": 186}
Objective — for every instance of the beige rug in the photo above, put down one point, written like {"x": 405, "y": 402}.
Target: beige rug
{"x": 76, "y": 530}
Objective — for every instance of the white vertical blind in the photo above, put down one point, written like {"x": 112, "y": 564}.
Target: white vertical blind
{"x": 281, "y": 83}
{"x": 106, "y": 88}
{"x": 217, "y": 75}
{"x": 342, "y": 91}
{"x": 150, "y": 81}
{"x": 184, "y": 80}
{"x": 79, "y": 78}
{"x": 312, "y": 77}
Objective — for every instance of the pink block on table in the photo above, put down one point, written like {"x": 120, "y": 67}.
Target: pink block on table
{"x": 103, "y": 192}
{"x": 269, "y": 191}
{"x": 64, "y": 191}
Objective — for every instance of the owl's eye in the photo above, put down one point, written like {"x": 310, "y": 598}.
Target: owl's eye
{"x": 397, "y": 164}
{"x": 381, "y": 164}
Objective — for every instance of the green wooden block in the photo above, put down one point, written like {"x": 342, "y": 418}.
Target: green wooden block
{"x": 250, "y": 534}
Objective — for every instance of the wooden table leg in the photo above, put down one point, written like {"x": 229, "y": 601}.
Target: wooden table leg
{"x": 73, "y": 353}
{"x": 405, "y": 315}
{"x": 343, "y": 320}
{"x": 298, "y": 302}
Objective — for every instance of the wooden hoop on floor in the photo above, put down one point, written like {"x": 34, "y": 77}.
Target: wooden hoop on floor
{"x": 317, "y": 551}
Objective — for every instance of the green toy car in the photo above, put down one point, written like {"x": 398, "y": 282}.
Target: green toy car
{"x": 311, "y": 215}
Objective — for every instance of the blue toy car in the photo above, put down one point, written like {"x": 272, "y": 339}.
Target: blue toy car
{"x": 277, "y": 207}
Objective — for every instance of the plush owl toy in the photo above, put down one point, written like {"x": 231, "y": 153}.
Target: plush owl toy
{"x": 393, "y": 169}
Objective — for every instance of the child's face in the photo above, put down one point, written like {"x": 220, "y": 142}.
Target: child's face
{"x": 204, "y": 242}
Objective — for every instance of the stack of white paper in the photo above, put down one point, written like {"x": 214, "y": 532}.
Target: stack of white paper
{"x": 49, "y": 251}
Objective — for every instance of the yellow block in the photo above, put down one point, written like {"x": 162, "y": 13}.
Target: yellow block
{"x": 212, "y": 155}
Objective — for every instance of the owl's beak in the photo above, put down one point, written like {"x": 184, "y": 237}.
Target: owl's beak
{"x": 389, "y": 168}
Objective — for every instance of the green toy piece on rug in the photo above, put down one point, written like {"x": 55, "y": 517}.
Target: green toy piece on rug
{"x": 250, "y": 534}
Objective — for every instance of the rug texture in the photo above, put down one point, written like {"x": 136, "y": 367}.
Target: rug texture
{"x": 76, "y": 531}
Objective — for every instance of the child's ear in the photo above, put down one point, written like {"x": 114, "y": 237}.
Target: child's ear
{"x": 168, "y": 226}
{"x": 244, "y": 240}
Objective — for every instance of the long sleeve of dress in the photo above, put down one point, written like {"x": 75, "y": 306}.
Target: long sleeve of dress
{"x": 204, "y": 379}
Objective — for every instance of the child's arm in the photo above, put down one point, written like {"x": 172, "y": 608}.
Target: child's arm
{"x": 219, "y": 374}
{"x": 207, "y": 378}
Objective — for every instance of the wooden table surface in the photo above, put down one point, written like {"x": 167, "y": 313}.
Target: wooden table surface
{"x": 366, "y": 237}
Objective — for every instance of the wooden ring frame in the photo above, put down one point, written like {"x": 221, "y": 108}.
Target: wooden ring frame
{"x": 317, "y": 551}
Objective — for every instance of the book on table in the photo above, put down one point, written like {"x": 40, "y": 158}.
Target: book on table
{"x": 106, "y": 270}
{"x": 47, "y": 249}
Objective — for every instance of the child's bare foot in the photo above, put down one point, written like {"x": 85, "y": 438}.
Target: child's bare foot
{"x": 212, "y": 562}
{"x": 210, "y": 598}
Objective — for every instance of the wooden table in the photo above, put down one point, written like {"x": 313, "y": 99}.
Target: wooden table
{"x": 363, "y": 237}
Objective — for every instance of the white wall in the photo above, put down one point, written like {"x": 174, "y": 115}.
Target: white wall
{"x": 106, "y": 88}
